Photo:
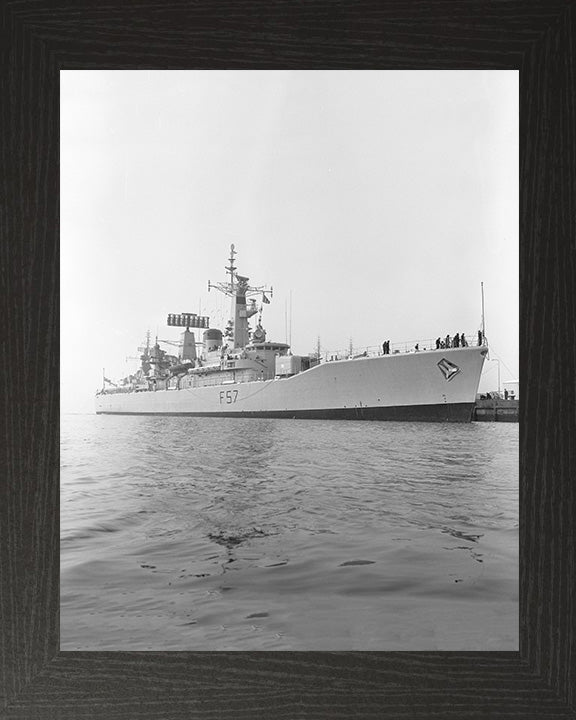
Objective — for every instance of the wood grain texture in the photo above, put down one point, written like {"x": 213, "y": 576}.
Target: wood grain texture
{"x": 39, "y": 38}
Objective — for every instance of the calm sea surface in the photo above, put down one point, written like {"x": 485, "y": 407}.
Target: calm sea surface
{"x": 254, "y": 534}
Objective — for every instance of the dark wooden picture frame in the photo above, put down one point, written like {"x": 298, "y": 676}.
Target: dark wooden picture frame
{"x": 42, "y": 37}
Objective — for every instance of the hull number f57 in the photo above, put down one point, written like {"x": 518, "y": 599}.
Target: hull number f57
{"x": 228, "y": 396}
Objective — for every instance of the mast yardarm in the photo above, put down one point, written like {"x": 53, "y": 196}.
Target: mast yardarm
{"x": 238, "y": 288}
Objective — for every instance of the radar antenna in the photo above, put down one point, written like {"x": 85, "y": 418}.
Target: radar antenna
{"x": 238, "y": 282}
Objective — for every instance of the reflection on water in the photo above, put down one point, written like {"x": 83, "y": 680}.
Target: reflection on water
{"x": 254, "y": 534}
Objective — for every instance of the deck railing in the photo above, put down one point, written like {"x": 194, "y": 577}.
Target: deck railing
{"x": 406, "y": 346}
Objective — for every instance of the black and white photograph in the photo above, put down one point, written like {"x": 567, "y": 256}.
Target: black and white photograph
{"x": 289, "y": 360}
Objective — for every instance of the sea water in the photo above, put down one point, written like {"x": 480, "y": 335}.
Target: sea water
{"x": 182, "y": 533}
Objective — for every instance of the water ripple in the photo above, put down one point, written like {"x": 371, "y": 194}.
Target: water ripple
{"x": 207, "y": 534}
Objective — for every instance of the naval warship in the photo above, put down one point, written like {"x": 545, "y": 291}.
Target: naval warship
{"x": 238, "y": 372}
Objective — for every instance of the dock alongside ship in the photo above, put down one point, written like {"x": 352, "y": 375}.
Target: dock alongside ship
{"x": 496, "y": 409}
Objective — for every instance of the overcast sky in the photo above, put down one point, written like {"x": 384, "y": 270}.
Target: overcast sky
{"x": 379, "y": 199}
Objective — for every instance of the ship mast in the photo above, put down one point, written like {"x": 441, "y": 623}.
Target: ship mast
{"x": 231, "y": 268}
{"x": 238, "y": 289}
{"x": 483, "y": 327}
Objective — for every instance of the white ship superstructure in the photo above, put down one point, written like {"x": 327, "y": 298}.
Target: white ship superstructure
{"x": 239, "y": 373}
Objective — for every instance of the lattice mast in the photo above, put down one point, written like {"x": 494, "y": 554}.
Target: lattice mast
{"x": 237, "y": 287}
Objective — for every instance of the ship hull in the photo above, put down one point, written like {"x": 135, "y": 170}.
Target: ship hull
{"x": 460, "y": 412}
{"x": 424, "y": 386}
